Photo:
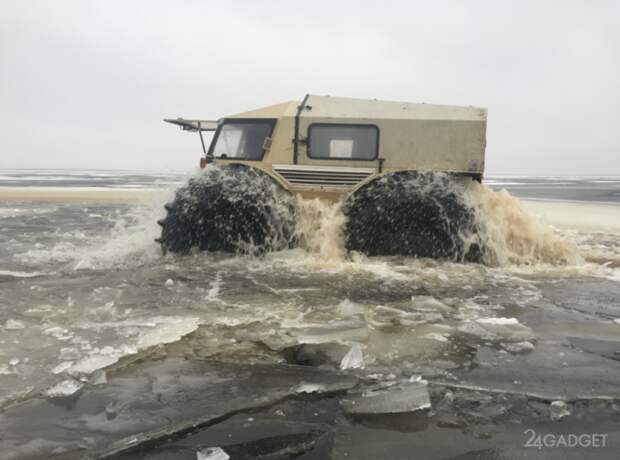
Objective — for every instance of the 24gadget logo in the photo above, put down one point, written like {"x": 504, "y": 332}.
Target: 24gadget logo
{"x": 571, "y": 440}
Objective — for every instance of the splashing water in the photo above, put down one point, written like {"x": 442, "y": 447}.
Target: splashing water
{"x": 511, "y": 234}
{"x": 320, "y": 228}
{"x": 508, "y": 232}
{"x": 128, "y": 242}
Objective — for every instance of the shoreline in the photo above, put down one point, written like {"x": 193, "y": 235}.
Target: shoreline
{"x": 561, "y": 213}
{"x": 76, "y": 194}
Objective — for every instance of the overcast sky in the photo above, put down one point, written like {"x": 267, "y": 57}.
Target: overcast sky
{"x": 85, "y": 84}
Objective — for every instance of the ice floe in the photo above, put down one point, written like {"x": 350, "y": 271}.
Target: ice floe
{"x": 354, "y": 359}
{"x": 64, "y": 388}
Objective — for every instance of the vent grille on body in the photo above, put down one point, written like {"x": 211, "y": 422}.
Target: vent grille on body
{"x": 326, "y": 176}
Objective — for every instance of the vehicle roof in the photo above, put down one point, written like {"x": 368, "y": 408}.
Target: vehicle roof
{"x": 366, "y": 109}
{"x": 284, "y": 109}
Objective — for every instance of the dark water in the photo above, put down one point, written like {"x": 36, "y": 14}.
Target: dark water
{"x": 110, "y": 349}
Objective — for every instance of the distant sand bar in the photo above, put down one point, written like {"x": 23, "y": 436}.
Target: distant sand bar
{"x": 75, "y": 194}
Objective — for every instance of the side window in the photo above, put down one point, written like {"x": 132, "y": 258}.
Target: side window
{"x": 344, "y": 142}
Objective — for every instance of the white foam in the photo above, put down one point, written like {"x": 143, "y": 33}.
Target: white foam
{"x": 213, "y": 293}
{"x": 15, "y": 212}
{"x": 13, "y": 324}
{"x": 130, "y": 242}
{"x": 18, "y": 274}
{"x": 501, "y": 321}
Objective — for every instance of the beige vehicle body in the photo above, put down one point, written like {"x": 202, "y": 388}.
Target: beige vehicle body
{"x": 328, "y": 146}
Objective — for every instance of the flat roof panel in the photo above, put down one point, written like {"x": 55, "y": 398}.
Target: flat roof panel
{"x": 345, "y": 107}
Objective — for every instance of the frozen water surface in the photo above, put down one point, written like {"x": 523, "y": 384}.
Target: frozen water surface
{"x": 109, "y": 348}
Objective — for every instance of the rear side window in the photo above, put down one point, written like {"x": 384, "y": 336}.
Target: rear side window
{"x": 343, "y": 142}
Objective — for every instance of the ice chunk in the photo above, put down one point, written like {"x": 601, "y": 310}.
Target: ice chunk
{"x": 4, "y": 370}
{"x": 518, "y": 347}
{"x": 407, "y": 397}
{"x": 383, "y": 316}
{"x": 309, "y": 388}
{"x": 169, "y": 282}
{"x": 354, "y": 359}
{"x": 426, "y": 302}
{"x": 162, "y": 330}
{"x": 93, "y": 362}
{"x": 354, "y": 329}
{"x": 99, "y": 377}
{"x": 14, "y": 361}
{"x": 62, "y": 367}
{"x": 348, "y": 308}
{"x": 212, "y": 453}
{"x": 13, "y": 325}
{"x": 112, "y": 409}
{"x": 64, "y": 388}
{"x": 507, "y": 329}
{"x": 435, "y": 336}
{"x": 417, "y": 379}
{"x": 500, "y": 321}
{"x": 558, "y": 410}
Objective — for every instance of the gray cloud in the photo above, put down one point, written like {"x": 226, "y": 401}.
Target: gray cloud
{"x": 85, "y": 84}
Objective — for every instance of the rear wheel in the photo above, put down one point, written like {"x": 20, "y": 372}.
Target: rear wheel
{"x": 233, "y": 208}
{"x": 413, "y": 214}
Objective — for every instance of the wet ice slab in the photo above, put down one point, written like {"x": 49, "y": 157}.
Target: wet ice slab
{"x": 155, "y": 401}
{"x": 407, "y": 397}
{"x": 607, "y": 348}
{"x": 551, "y": 372}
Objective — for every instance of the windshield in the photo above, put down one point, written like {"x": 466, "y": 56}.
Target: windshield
{"x": 242, "y": 139}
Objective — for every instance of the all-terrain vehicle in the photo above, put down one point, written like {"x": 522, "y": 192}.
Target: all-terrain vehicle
{"x": 399, "y": 170}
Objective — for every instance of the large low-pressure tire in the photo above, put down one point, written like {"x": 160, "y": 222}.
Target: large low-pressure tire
{"x": 412, "y": 214}
{"x": 233, "y": 208}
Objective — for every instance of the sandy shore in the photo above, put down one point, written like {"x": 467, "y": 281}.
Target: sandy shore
{"x": 575, "y": 214}
{"x": 75, "y": 194}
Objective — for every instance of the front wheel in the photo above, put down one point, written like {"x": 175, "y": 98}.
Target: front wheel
{"x": 233, "y": 208}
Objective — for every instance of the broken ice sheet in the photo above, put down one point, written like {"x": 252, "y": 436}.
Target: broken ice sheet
{"x": 506, "y": 329}
{"x": 407, "y": 397}
{"x": 558, "y": 410}
{"x": 518, "y": 347}
{"x": 212, "y": 453}
{"x": 429, "y": 303}
{"x": 352, "y": 329}
{"x": 354, "y": 359}
{"x": 309, "y": 388}
{"x": 386, "y": 317}
{"x": 64, "y": 388}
